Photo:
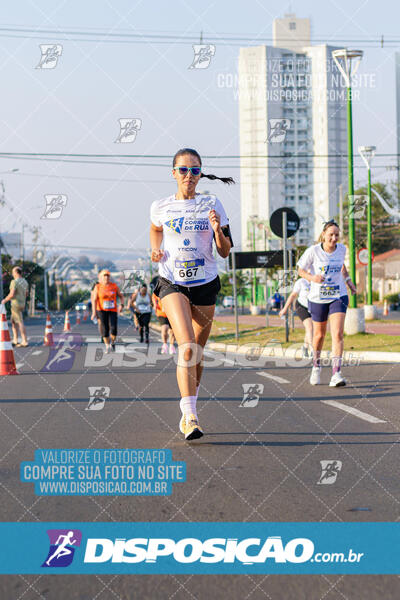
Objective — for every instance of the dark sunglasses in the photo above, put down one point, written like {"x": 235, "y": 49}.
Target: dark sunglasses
{"x": 183, "y": 170}
{"x": 329, "y": 223}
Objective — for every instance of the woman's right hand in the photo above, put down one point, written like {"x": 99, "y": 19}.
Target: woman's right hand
{"x": 282, "y": 312}
{"x": 318, "y": 278}
{"x": 156, "y": 255}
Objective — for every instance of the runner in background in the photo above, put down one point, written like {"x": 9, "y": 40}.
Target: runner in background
{"x": 328, "y": 297}
{"x": 130, "y": 306}
{"x": 95, "y": 318}
{"x": 187, "y": 224}
{"x": 141, "y": 303}
{"x": 104, "y": 302}
{"x": 299, "y": 298}
{"x": 18, "y": 292}
{"x": 166, "y": 329}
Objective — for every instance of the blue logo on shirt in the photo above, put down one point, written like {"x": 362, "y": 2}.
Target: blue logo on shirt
{"x": 186, "y": 242}
{"x": 175, "y": 224}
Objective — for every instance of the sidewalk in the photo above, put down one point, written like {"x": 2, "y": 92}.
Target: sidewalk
{"x": 275, "y": 321}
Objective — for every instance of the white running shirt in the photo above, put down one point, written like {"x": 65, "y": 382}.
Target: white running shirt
{"x": 328, "y": 265}
{"x": 187, "y": 234}
{"x": 143, "y": 303}
{"x": 302, "y": 288}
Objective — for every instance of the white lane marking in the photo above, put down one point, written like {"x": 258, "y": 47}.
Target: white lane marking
{"x": 225, "y": 360}
{"x": 96, "y": 339}
{"x": 36, "y": 352}
{"x": 353, "y": 411}
{"x": 273, "y": 377}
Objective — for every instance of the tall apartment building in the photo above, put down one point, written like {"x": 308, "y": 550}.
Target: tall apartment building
{"x": 397, "y": 67}
{"x": 292, "y": 111}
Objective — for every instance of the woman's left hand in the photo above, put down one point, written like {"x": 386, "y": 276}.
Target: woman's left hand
{"x": 215, "y": 220}
{"x": 352, "y": 287}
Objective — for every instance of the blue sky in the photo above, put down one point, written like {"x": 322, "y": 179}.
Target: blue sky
{"x": 75, "y": 107}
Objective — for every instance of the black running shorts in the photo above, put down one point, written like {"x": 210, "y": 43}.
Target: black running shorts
{"x": 163, "y": 321}
{"x": 302, "y": 312}
{"x": 204, "y": 294}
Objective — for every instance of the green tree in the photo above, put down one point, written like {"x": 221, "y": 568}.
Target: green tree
{"x": 385, "y": 229}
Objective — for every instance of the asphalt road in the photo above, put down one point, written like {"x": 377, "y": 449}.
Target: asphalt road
{"x": 255, "y": 463}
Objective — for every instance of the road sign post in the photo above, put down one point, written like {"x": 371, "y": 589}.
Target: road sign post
{"x": 284, "y": 223}
{"x": 235, "y": 296}
{"x": 285, "y": 270}
{"x": 249, "y": 260}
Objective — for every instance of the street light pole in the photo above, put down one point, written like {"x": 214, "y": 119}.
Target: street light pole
{"x": 253, "y": 223}
{"x": 367, "y": 154}
{"x": 343, "y": 60}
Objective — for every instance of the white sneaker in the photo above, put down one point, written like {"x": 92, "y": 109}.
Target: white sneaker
{"x": 172, "y": 349}
{"x": 315, "y": 378}
{"x": 182, "y": 424}
{"x": 164, "y": 349}
{"x": 337, "y": 380}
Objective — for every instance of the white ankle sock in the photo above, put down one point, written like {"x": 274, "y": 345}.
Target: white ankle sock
{"x": 188, "y": 406}
{"x": 197, "y": 391}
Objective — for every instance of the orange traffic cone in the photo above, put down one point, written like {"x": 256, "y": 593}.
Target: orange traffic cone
{"x": 85, "y": 315}
{"x": 385, "y": 308}
{"x": 7, "y": 360}
{"x": 48, "y": 333}
{"x": 78, "y": 318}
{"x": 67, "y": 324}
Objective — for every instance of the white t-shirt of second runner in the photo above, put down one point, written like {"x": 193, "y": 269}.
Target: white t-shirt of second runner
{"x": 188, "y": 259}
{"x": 302, "y": 288}
{"x": 328, "y": 265}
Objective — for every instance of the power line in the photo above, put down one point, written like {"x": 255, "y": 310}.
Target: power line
{"x": 176, "y": 37}
{"x": 169, "y": 156}
{"x": 54, "y": 247}
{"x": 207, "y": 166}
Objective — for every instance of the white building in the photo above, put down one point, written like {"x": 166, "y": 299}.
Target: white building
{"x": 292, "y": 111}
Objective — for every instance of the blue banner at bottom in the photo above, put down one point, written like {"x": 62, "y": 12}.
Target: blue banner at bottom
{"x": 200, "y": 548}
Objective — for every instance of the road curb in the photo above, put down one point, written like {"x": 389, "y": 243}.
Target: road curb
{"x": 275, "y": 350}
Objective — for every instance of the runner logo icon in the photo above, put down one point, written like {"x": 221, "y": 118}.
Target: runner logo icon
{"x": 98, "y": 396}
{"x": 175, "y": 224}
{"x": 330, "y": 470}
{"x": 203, "y": 54}
{"x": 61, "y": 357}
{"x": 50, "y": 55}
{"x": 251, "y": 394}
{"x": 62, "y": 547}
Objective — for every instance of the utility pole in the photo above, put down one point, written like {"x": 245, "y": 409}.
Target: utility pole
{"x": 341, "y": 208}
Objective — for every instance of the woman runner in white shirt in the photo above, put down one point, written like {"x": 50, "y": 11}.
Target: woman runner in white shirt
{"x": 328, "y": 297}
{"x": 188, "y": 282}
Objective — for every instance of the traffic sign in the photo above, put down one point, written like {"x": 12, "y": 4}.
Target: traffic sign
{"x": 260, "y": 259}
{"x": 362, "y": 256}
{"x": 292, "y": 221}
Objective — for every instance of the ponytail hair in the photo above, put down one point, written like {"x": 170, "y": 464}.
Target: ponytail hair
{"x": 227, "y": 180}
{"x": 192, "y": 152}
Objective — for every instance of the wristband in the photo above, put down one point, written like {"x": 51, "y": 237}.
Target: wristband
{"x": 348, "y": 279}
